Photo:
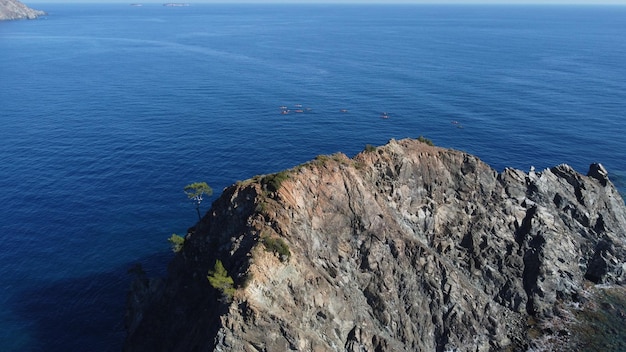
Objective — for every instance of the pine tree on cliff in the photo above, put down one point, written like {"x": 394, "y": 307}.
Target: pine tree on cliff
{"x": 195, "y": 192}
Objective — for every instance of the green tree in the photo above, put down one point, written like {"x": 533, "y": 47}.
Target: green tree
{"x": 195, "y": 192}
{"x": 219, "y": 279}
{"x": 177, "y": 242}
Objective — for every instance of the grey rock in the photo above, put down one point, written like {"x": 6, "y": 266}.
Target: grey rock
{"x": 15, "y": 10}
{"x": 597, "y": 171}
{"x": 405, "y": 248}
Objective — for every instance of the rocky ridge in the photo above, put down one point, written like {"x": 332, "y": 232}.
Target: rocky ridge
{"x": 405, "y": 247}
{"x": 15, "y": 10}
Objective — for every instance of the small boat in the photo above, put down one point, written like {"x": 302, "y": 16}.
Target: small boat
{"x": 384, "y": 115}
{"x": 343, "y": 110}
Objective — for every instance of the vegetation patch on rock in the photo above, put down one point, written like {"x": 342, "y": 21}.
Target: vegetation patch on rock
{"x": 278, "y": 246}
{"x": 274, "y": 181}
{"x": 220, "y": 280}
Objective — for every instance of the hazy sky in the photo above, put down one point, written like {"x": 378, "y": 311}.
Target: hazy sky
{"x": 590, "y": 2}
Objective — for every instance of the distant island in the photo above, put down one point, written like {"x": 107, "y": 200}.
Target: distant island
{"x": 15, "y": 10}
{"x": 175, "y": 4}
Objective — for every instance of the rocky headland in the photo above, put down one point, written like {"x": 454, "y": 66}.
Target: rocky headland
{"x": 15, "y": 10}
{"x": 405, "y": 247}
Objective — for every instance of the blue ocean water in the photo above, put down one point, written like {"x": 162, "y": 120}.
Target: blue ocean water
{"x": 107, "y": 111}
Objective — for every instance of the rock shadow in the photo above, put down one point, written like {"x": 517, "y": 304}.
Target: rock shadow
{"x": 85, "y": 313}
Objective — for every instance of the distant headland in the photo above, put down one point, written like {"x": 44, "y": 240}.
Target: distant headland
{"x": 15, "y": 10}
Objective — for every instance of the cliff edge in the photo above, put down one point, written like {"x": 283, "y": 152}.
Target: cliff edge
{"x": 15, "y": 10}
{"x": 405, "y": 247}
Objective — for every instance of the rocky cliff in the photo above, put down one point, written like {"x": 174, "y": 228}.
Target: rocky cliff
{"x": 405, "y": 247}
{"x": 15, "y": 10}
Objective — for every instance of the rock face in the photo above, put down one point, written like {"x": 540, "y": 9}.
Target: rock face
{"x": 405, "y": 247}
{"x": 15, "y": 10}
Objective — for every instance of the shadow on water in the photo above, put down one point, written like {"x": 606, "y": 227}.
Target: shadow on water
{"x": 82, "y": 314}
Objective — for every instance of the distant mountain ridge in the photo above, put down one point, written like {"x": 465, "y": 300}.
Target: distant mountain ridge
{"x": 15, "y": 10}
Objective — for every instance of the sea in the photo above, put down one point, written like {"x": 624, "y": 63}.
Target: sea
{"x": 108, "y": 110}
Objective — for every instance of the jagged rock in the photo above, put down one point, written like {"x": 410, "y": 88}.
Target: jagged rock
{"x": 407, "y": 247}
{"x": 15, "y": 10}
{"x": 598, "y": 172}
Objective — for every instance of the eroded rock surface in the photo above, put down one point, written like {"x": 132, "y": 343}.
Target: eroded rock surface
{"x": 406, "y": 247}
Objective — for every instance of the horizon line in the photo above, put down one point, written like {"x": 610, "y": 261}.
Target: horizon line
{"x": 344, "y": 2}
